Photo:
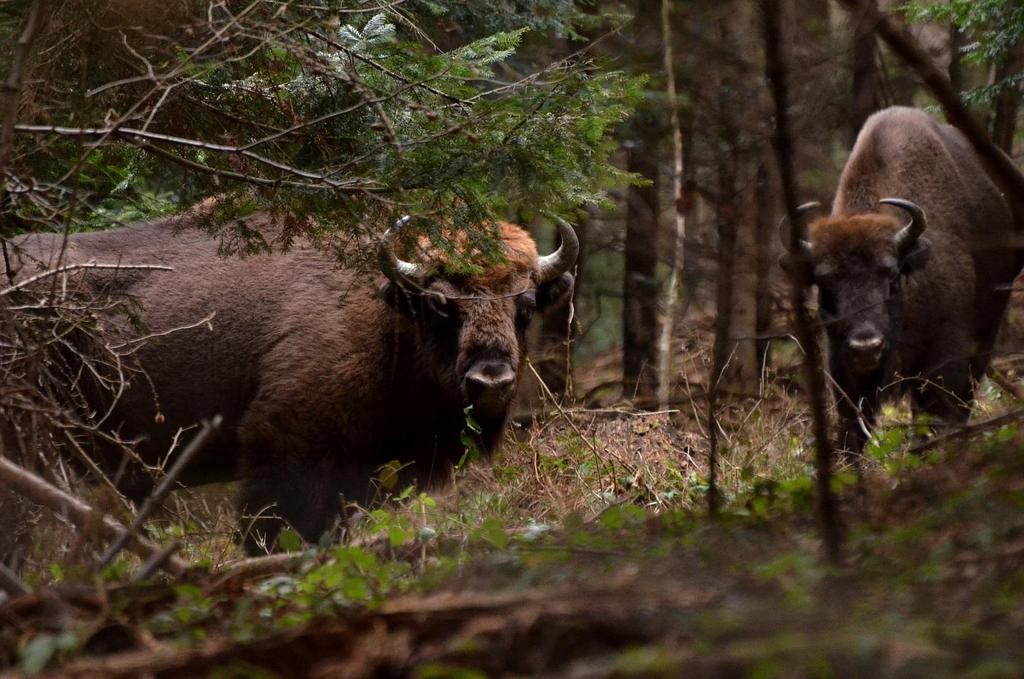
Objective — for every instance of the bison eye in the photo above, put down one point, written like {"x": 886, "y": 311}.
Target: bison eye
{"x": 826, "y": 301}
{"x": 526, "y": 304}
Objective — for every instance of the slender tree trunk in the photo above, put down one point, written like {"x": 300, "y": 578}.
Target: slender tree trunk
{"x": 640, "y": 286}
{"x": 865, "y": 100}
{"x": 776, "y": 72}
{"x": 723, "y": 344}
{"x": 763, "y": 244}
{"x": 665, "y": 344}
{"x": 1004, "y": 123}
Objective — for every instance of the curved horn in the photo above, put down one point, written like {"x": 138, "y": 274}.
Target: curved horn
{"x": 908, "y": 235}
{"x": 801, "y": 210}
{"x": 550, "y": 267}
{"x": 397, "y": 270}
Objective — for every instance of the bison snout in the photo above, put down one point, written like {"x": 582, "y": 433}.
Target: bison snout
{"x": 866, "y": 348}
{"x": 489, "y": 384}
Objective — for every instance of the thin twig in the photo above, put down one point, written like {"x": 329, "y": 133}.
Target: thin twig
{"x": 138, "y": 136}
{"x": 575, "y": 428}
{"x": 163, "y": 333}
{"x": 74, "y": 267}
{"x": 154, "y": 563}
{"x": 157, "y": 497}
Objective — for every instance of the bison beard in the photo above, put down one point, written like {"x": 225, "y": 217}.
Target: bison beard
{"x": 322, "y": 374}
{"x": 914, "y": 303}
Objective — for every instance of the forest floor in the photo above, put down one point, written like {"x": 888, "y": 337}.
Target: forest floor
{"x": 585, "y": 550}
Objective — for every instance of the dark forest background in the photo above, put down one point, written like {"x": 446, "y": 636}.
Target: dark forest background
{"x": 662, "y": 505}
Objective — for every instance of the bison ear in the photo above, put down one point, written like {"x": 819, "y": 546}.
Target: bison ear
{"x": 556, "y": 292}
{"x": 398, "y": 298}
{"x": 916, "y": 257}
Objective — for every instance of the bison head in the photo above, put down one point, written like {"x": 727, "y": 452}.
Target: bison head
{"x": 858, "y": 263}
{"x": 474, "y": 326}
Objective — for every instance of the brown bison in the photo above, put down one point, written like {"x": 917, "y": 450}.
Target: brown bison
{"x": 322, "y": 373}
{"x": 911, "y": 299}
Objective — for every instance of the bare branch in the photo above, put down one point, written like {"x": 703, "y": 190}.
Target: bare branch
{"x": 157, "y": 497}
{"x": 74, "y": 267}
{"x": 967, "y": 431}
{"x": 11, "y": 583}
{"x": 37, "y": 490}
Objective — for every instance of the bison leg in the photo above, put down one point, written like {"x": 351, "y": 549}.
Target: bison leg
{"x": 856, "y": 420}
{"x": 280, "y": 490}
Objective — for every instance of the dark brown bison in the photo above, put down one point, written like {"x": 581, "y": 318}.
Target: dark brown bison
{"x": 322, "y": 373}
{"x": 911, "y": 297}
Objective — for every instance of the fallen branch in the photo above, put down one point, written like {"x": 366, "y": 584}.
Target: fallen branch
{"x": 39, "y": 491}
{"x": 256, "y": 567}
{"x": 156, "y": 498}
{"x": 1006, "y": 384}
{"x": 11, "y": 583}
{"x": 967, "y": 431}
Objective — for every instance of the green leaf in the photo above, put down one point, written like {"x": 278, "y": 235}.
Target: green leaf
{"x": 38, "y": 652}
{"x": 493, "y": 532}
{"x": 289, "y": 541}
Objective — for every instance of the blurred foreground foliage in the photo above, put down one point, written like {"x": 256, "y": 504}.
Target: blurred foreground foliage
{"x": 425, "y": 587}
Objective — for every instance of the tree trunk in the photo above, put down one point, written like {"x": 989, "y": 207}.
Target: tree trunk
{"x": 1004, "y": 123}
{"x": 865, "y": 100}
{"x": 763, "y": 244}
{"x": 640, "y": 285}
{"x": 666, "y": 347}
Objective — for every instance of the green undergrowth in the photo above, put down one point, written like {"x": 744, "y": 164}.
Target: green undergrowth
{"x": 932, "y": 582}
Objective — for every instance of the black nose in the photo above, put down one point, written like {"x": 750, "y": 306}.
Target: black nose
{"x": 489, "y": 377}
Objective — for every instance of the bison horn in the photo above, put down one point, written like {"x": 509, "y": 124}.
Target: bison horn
{"x": 800, "y": 210}
{"x": 398, "y": 270}
{"x": 550, "y": 267}
{"x": 908, "y": 235}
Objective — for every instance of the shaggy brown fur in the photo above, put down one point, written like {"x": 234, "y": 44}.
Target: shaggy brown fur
{"x": 937, "y": 308}
{"x": 322, "y": 374}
